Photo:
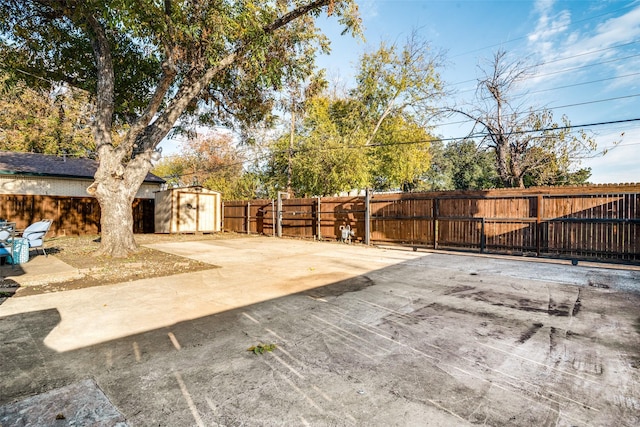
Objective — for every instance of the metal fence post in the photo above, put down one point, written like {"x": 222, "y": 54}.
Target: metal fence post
{"x": 483, "y": 238}
{"x": 273, "y": 218}
{"x": 367, "y": 217}
{"x": 279, "y": 213}
{"x": 435, "y": 223}
{"x": 539, "y": 225}
{"x": 318, "y": 221}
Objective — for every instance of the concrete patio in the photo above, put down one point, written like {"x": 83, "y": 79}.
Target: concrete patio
{"x": 364, "y": 336}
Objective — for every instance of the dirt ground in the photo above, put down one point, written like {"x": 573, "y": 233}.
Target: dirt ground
{"x": 99, "y": 270}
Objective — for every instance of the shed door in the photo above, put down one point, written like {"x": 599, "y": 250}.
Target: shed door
{"x": 187, "y": 212}
{"x": 206, "y": 212}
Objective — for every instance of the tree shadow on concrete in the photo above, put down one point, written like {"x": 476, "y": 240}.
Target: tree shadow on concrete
{"x": 200, "y": 372}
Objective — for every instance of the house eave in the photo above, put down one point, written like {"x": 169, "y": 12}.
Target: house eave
{"x": 159, "y": 181}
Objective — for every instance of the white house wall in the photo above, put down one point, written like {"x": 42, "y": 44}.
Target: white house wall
{"x": 39, "y": 186}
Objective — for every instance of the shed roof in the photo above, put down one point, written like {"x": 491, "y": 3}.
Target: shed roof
{"x": 190, "y": 189}
{"x": 45, "y": 165}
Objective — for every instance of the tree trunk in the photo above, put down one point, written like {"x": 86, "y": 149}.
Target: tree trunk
{"x": 115, "y": 188}
{"x": 502, "y": 164}
{"x": 517, "y": 175}
{"x": 516, "y": 165}
{"x": 116, "y": 224}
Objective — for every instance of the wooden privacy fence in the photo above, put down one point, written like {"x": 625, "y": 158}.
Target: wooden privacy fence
{"x": 589, "y": 222}
{"x": 70, "y": 215}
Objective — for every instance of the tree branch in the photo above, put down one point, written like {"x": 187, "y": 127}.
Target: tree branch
{"x": 169, "y": 72}
{"x": 191, "y": 87}
{"x": 105, "y": 86}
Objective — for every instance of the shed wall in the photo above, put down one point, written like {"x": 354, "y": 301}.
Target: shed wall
{"x": 188, "y": 210}
{"x": 163, "y": 212}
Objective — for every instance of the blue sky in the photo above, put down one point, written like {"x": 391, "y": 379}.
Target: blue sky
{"x": 588, "y": 51}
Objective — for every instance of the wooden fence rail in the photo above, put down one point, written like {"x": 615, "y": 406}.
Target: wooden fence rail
{"x": 587, "y": 222}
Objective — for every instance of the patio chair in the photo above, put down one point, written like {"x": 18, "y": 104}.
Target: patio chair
{"x": 7, "y": 234}
{"x": 35, "y": 234}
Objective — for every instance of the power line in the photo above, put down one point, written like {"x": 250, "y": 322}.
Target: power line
{"x": 399, "y": 143}
{"x": 611, "y": 122}
{"x": 595, "y": 124}
{"x": 540, "y": 64}
{"x": 597, "y": 101}
{"x": 591, "y": 52}
{"x": 536, "y": 76}
{"x": 585, "y": 66}
{"x": 542, "y": 109}
{"x": 585, "y": 83}
{"x": 568, "y": 127}
{"x": 594, "y": 102}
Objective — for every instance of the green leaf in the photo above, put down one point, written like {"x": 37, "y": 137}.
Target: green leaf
{"x": 261, "y": 348}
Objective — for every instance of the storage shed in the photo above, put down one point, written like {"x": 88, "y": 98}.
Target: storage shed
{"x": 188, "y": 210}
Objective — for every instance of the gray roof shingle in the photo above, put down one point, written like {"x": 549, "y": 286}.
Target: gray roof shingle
{"x": 34, "y": 164}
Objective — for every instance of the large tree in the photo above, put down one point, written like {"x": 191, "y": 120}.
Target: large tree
{"x": 397, "y": 87}
{"x": 472, "y": 167}
{"x": 398, "y": 80}
{"x": 376, "y": 135}
{"x": 527, "y": 142}
{"x": 330, "y": 151}
{"x": 149, "y": 64}
{"x": 327, "y": 157}
{"x": 460, "y": 165}
{"x": 401, "y": 154}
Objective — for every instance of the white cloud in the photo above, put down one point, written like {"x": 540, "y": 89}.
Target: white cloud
{"x": 368, "y": 9}
{"x": 549, "y": 26}
{"x": 551, "y": 41}
{"x": 617, "y": 30}
{"x": 570, "y": 53}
